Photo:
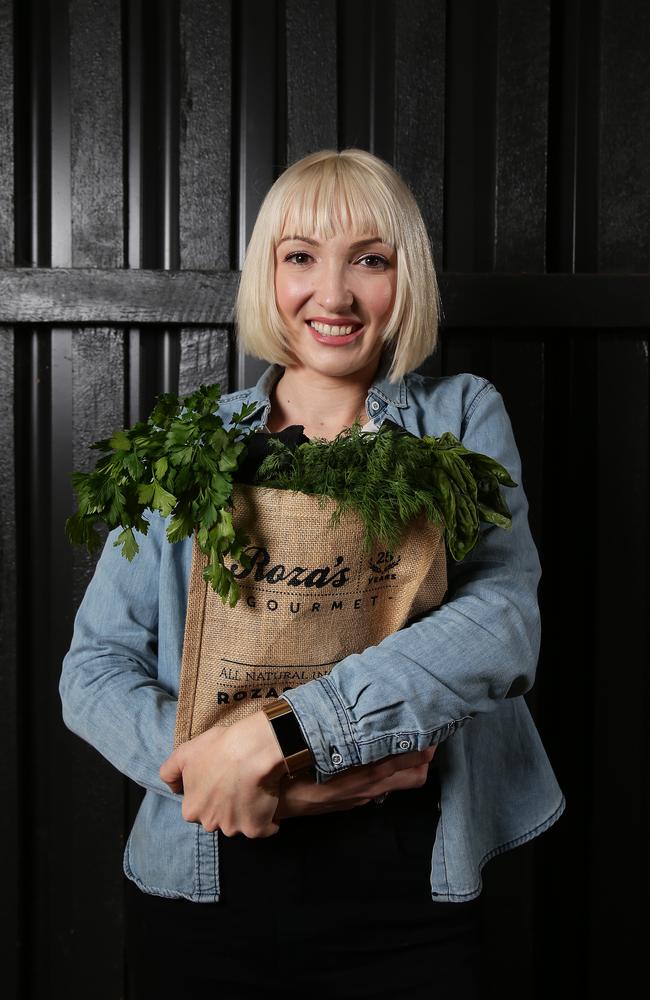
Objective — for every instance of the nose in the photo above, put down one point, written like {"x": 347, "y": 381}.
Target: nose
{"x": 333, "y": 291}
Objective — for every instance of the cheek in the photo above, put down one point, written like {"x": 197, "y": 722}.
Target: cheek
{"x": 289, "y": 291}
{"x": 383, "y": 297}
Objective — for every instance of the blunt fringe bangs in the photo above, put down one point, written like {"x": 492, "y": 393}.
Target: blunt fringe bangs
{"x": 318, "y": 196}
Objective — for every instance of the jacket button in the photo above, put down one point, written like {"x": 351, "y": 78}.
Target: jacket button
{"x": 336, "y": 758}
{"x": 404, "y": 744}
{"x": 374, "y": 406}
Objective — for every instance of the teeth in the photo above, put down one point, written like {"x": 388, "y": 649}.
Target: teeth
{"x": 331, "y": 331}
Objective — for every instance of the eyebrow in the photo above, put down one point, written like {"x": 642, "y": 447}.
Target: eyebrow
{"x": 353, "y": 246}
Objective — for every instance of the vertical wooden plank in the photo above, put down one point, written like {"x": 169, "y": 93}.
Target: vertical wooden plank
{"x": 256, "y": 103}
{"x": 366, "y": 75}
{"x": 470, "y": 135}
{"x": 569, "y": 557}
{"x": 95, "y": 920}
{"x": 206, "y": 135}
{"x": 311, "y": 96}
{"x": 522, "y": 127}
{"x": 420, "y": 109}
{"x": 11, "y": 707}
{"x": 205, "y": 222}
{"x": 87, "y": 403}
{"x": 51, "y": 742}
{"x": 517, "y": 370}
{"x": 420, "y": 119}
{"x": 620, "y": 774}
{"x": 621, "y": 610}
{"x": 205, "y": 356}
{"x": 573, "y": 157}
{"x": 31, "y": 432}
{"x": 10, "y": 906}
{"x": 96, "y": 134}
{"x": 624, "y": 191}
{"x": 7, "y": 132}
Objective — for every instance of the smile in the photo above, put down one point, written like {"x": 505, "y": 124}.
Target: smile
{"x": 328, "y": 330}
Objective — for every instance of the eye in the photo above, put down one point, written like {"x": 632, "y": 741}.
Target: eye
{"x": 377, "y": 262}
{"x": 298, "y": 253}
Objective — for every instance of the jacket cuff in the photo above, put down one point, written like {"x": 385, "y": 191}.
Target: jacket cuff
{"x": 327, "y": 730}
{"x": 324, "y": 725}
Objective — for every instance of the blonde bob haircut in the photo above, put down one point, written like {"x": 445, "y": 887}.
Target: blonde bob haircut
{"x": 319, "y": 196}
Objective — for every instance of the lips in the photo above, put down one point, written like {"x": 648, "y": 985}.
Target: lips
{"x": 334, "y": 336}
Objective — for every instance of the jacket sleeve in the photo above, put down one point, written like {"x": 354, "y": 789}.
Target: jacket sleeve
{"x": 109, "y": 684}
{"x": 423, "y": 682}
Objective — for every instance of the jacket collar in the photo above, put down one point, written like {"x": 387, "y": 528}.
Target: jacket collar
{"x": 384, "y": 398}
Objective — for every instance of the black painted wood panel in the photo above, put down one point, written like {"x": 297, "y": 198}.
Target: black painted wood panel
{"x": 624, "y": 139}
{"x": 521, "y": 135}
{"x": 97, "y": 166}
{"x": 205, "y": 211}
{"x": 419, "y": 126}
{"x": 137, "y": 142}
{"x": 11, "y": 911}
{"x": 311, "y": 76}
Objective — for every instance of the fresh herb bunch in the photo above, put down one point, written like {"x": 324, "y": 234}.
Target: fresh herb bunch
{"x": 390, "y": 477}
{"x": 180, "y": 463}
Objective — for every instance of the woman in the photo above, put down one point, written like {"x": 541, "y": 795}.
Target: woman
{"x": 367, "y": 865}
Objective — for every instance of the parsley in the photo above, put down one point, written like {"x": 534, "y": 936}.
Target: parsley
{"x": 179, "y": 463}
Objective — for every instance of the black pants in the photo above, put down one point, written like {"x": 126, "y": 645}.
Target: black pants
{"x": 339, "y": 902}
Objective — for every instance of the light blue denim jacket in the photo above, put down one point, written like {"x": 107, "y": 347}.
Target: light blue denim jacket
{"x": 455, "y": 676}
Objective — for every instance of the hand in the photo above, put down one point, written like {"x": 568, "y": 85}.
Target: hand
{"x": 301, "y": 796}
{"x": 230, "y": 777}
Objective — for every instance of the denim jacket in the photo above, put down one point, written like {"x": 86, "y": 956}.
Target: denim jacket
{"x": 455, "y": 676}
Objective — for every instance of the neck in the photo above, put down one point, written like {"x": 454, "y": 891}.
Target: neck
{"x": 323, "y": 404}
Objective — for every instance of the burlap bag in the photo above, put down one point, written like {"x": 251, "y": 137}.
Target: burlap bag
{"x": 311, "y": 597}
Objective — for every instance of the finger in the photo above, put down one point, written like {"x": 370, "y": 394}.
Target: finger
{"x": 170, "y": 769}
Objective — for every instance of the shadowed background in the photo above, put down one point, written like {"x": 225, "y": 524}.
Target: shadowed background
{"x": 137, "y": 141}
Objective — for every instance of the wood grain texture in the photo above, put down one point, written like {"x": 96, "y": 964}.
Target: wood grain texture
{"x": 204, "y": 359}
{"x": 420, "y": 110}
{"x": 624, "y": 190}
{"x": 311, "y": 96}
{"x": 7, "y": 133}
{"x": 205, "y": 134}
{"x": 521, "y": 135}
{"x": 96, "y": 133}
{"x": 95, "y": 791}
{"x": 89, "y": 295}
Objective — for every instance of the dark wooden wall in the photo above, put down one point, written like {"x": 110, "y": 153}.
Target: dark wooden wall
{"x": 137, "y": 141}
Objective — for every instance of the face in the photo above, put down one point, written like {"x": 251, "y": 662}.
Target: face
{"x": 335, "y": 297}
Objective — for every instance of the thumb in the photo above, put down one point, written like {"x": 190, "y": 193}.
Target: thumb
{"x": 171, "y": 772}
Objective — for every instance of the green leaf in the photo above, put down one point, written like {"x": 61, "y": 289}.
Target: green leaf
{"x": 145, "y": 493}
{"x": 160, "y": 467}
{"x": 163, "y": 500}
{"x": 126, "y": 539}
{"x": 133, "y": 465}
{"x": 120, "y": 441}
